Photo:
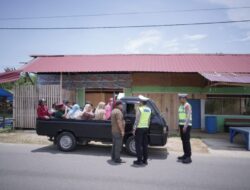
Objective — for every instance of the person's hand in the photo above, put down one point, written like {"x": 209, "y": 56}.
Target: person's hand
{"x": 134, "y": 132}
{"x": 184, "y": 129}
{"x": 123, "y": 133}
{"x": 46, "y": 117}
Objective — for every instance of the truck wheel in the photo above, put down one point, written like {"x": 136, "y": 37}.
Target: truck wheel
{"x": 130, "y": 145}
{"x": 66, "y": 141}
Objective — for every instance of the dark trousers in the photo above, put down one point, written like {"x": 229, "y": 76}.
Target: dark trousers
{"x": 117, "y": 146}
{"x": 141, "y": 144}
{"x": 185, "y": 138}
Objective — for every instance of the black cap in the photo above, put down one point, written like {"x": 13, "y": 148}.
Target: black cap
{"x": 117, "y": 103}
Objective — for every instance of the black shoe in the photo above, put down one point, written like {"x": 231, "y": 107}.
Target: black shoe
{"x": 181, "y": 157}
{"x": 119, "y": 161}
{"x": 137, "y": 162}
{"x": 187, "y": 160}
{"x": 145, "y": 162}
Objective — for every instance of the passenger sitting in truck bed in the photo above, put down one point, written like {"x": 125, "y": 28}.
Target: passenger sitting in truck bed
{"x": 53, "y": 110}
{"x": 87, "y": 112}
{"x": 42, "y": 110}
{"x": 74, "y": 112}
{"x": 61, "y": 112}
{"x": 108, "y": 108}
{"x": 100, "y": 111}
{"x": 67, "y": 106}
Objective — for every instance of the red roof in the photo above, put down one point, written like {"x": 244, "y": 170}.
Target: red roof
{"x": 9, "y": 76}
{"x": 141, "y": 63}
{"x": 227, "y": 77}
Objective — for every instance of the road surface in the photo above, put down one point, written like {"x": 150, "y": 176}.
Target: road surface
{"x": 40, "y": 167}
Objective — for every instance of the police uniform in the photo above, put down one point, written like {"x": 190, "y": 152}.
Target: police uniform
{"x": 141, "y": 128}
{"x": 185, "y": 119}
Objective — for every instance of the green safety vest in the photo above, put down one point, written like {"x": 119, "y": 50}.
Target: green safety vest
{"x": 183, "y": 115}
{"x": 145, "y": 117}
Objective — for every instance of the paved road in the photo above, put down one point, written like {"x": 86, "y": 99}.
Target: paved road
{"x": 37, "y": 167}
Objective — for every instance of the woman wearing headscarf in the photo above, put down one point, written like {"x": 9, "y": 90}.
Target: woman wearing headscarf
{"x": 100, "y": 111}
{"x": 87, "y": 113}
{"x": 74, "y": 112}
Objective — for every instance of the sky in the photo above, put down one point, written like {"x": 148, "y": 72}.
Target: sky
{"x": 17, "y": 45}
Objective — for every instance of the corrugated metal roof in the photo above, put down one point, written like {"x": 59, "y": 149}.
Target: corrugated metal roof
{"x": 227, "y": 77}
{"x": 141, "y": 63}
{"x": 9, "y": 76}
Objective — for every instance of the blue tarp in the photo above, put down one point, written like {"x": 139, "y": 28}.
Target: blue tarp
{"x": 6, "y": 93}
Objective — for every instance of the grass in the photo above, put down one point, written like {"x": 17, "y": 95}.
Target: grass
{"x": 7, "y": 129}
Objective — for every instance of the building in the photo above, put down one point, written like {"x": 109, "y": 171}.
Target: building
{"x": 217, "y": 84}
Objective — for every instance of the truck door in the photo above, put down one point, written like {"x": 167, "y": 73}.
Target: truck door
{"x": 155, "y": 128}
{"x": 129, "y": 113}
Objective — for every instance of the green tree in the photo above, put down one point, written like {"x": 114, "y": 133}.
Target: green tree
{"x": 25, "y": 79}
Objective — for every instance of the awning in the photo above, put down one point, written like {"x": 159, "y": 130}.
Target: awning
{"x": 9, "y": 76}
{"x": 6, "y": 93}
{"x": 227, "y": 77}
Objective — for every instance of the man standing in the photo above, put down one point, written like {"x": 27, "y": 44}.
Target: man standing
{"x": 141, "y": 127}
{"x": 118, "y": 131}
{"x": 185, "y": 124}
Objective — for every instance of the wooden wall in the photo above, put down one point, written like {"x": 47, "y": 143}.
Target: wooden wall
{"x": 24, "y": 106}
{"x": 96, "y": 97}
{"x": 163, "y": 101}
{"x": 26, "y": 100}
{"x": 168, "y": 79}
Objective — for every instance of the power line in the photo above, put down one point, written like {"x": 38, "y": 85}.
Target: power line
{"x": 126, "y": 13}
{"x": 122, "y": 27}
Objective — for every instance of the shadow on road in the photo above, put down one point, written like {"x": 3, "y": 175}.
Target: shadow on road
{"x": 101, "y": 150}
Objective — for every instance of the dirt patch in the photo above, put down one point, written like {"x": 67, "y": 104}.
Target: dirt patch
{"x": 23, "y": 138}
{"x": 175, "y": 144}
{"x": 30, "y": 137}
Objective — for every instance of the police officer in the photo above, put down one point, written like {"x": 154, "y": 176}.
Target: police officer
{"x": 141, "y": 127}
{"x": 185, "y": 125}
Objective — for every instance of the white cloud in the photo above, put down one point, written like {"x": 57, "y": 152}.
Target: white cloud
{"x": 195, "y": 37}
{"x": 178, "y": 45}
{"x": 152, "y": 41}
{"x": 145, "y": 42}
{"x": 172, "y": 45}
{"x": 236, "y": 14}
{"x": 246, "y": 38}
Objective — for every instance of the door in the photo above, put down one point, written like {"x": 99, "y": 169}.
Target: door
{"x": 129, "y": 113}
{"x": 196, "y": 113}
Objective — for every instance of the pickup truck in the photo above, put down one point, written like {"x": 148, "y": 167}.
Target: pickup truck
{"x": 67, "y": 133}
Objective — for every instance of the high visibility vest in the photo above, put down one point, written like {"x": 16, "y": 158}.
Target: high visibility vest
{"x": 145, "y": 117}
{"x": 183, "y": 116}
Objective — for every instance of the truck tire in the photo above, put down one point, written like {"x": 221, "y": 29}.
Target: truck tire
{"x": 66, "y": 141}
{"x": 130, "y": 145}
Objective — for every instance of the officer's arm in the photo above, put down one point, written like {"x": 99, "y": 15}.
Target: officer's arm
{"x": 188, "y": 115}
{"x": 137, "y": 118}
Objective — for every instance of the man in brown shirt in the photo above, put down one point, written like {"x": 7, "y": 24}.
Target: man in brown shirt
{"x": 118, "y": 131}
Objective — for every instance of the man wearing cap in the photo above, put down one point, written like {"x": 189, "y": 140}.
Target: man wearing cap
{"x": 185, "y": 124}
{"x": 118, "y": 132}
{"x": 141, "y": 127}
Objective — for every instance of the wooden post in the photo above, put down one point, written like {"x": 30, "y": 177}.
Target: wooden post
{"x": 61, "y": 92}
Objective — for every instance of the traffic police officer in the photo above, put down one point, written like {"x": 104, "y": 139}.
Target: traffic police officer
{"x": 141, "y": 128}
{"x": 185, "y": 125}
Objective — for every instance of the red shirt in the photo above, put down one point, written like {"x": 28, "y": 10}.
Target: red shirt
{"x": 42, "y": 111}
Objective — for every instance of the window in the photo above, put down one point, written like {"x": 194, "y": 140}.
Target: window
{"x": 213, "y": 106}
{"x": 227, "y": 105}
{"x": 131, "y": 109}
